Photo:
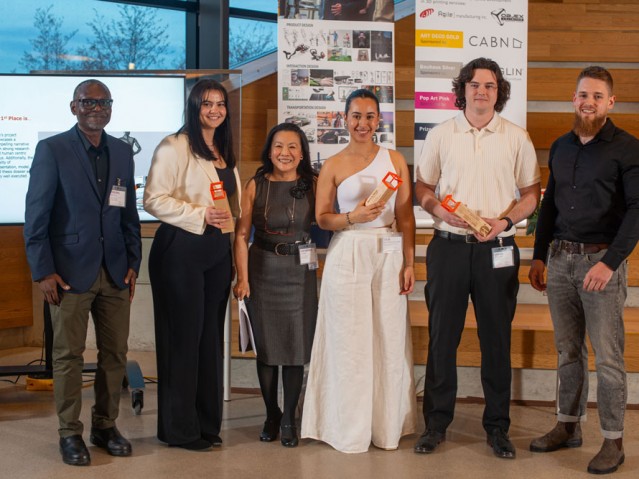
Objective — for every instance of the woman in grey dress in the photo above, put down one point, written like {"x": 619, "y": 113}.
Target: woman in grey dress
{"x": 279, "y": 201}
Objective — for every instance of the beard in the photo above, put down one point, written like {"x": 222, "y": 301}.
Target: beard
{"x": 588, "y": 128}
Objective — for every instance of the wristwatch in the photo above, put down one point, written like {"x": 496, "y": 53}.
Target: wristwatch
{"x": 508, "y": 221}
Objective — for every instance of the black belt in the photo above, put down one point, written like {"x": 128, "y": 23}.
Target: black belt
{"x": 465, "y": 238}
{"x": 572, "y": 247}
{"x": 280, "y": 249}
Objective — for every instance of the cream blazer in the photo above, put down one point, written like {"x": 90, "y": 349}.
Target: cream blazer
{"x": 177, "y": 189}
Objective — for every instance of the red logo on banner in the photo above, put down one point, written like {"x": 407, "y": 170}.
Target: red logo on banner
{"x": 427, "y": 12}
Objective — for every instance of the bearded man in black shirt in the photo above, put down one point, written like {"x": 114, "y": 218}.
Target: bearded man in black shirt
{"x": 588, "y": 225}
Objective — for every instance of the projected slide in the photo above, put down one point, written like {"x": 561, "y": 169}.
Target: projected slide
{"x": 33, "y": 107}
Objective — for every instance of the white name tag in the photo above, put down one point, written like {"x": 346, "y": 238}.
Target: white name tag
{"x": 391, "y": 243}
{"x": 308, "y": 255}
{"x": 503, "y": 257}
{"x": 118, "y": 196}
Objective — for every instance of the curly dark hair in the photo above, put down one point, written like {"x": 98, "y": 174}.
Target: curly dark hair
{"x": 304, "y": 169}
{"x": 223, "y": 137}
{"x": 466, "y": 74}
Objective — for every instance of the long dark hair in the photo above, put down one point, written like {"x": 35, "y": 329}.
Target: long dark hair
{"x": 466, "y": 75}
{"x": 304, "y": 169}
{"x": 223, "y": 137}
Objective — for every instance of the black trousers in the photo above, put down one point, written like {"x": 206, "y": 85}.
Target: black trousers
{"x": 455, "y": 270}
{"x": 190, "y": 279}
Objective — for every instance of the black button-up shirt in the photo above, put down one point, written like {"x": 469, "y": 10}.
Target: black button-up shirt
{"x": 592, "y": 194}
{"x": 99, "y": 158}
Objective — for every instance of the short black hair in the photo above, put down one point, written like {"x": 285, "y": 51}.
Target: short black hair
{"x": 85, "y": 83}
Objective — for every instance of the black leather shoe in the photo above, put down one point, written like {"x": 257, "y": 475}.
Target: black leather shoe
{"x": 74, "y": 451}
{"x": 271, "y": 428}
{"x": 499, "y": 441}
{"x": 214, "y": 439}
{"x": 429, "y": 441}
{"x": 289, "y": 436}
{"x": 111, "y": 440}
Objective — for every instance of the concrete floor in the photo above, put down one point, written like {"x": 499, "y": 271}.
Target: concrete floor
{"x": 28, "y": 443}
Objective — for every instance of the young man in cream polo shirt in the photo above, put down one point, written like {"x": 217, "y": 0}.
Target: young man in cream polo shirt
{"x": 489, "y": 164}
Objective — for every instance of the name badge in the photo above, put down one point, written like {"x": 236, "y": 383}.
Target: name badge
{"x": 118, "y": 196}
{"x": 391, "y": 243}
{"x": 308, "y": 255}
{"x": 503, "y": 257}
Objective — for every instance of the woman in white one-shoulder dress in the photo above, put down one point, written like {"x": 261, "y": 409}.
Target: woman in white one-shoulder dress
{"x": 360, "y": 386}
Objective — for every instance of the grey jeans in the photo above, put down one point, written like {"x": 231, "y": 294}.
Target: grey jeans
{"x": 574, "y": 312}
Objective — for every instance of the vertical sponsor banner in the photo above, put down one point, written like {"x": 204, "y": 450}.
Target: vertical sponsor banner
{"x": 326, "y": 50}
{"x": 448, "y": 34}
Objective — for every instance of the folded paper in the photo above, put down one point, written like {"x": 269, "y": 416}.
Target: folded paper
{"x": 246, "y": 330}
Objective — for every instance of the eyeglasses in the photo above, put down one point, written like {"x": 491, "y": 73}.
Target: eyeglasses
{"x": 91, "y": 103}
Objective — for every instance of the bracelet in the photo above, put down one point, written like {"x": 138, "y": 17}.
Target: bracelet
{"x": 348, "y": 219}
{"x": 509, "y": 222}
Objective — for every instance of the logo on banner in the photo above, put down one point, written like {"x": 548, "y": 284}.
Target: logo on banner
{"x": 502, "y": 16}
{"x": 437, "y": 69}
{"x": 435, "y": 100}
{"x": 422, "y": 129}
{"x": 513, "y": 73}
{"x": 427, "y": 12}
{"x": 439, "y": 38}
{"x": 495, "y": 42}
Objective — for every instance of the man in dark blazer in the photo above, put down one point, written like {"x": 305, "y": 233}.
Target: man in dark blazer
{"x": 82, "y": 236}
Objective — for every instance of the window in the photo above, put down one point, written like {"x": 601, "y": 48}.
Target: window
{"x": 252, "y": 30}
{"x": 90, "y": 35}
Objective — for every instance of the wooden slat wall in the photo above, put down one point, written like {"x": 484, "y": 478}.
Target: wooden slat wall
{"x": 15, "y": 280}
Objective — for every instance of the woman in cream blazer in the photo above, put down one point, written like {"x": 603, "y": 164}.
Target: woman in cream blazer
{"x": 190, "y": 267}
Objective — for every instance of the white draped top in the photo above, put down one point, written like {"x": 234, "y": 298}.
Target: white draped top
{"x": 359, "y": 186}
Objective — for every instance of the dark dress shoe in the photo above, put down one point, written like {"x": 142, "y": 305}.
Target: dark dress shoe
{"x": 271, "y": 428}
{"x": 197, "y": 445}
{"x": 214, "y": 439}
{"x": 111, "y": 440}
{"x": 429, "y": 441}
{"x": 74, "y": 451}
{"x": 289, "y": 436}
{"x": 499, "y": 441}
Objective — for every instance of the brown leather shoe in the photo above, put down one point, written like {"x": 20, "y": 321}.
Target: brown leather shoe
{"x": 609, "y": 458}
{"x": 558, "y": 438}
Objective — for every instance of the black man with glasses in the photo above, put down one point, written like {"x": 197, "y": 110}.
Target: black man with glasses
{"x": 489, "y": 164}
{"x": 82, "y": 236}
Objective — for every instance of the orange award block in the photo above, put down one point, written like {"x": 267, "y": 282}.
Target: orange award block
{"x": 221, "y": 202}
{"x": 477, "y": 224}
{"x": 385, "y": 189}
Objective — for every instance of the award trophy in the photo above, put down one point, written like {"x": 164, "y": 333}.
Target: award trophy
{"x": 221, "y": 202}
{"x": 385, "y": 189}
{"x": 477, "y": 224}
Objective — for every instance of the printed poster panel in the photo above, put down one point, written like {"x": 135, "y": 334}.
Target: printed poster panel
{"x": 326, "y": 50}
